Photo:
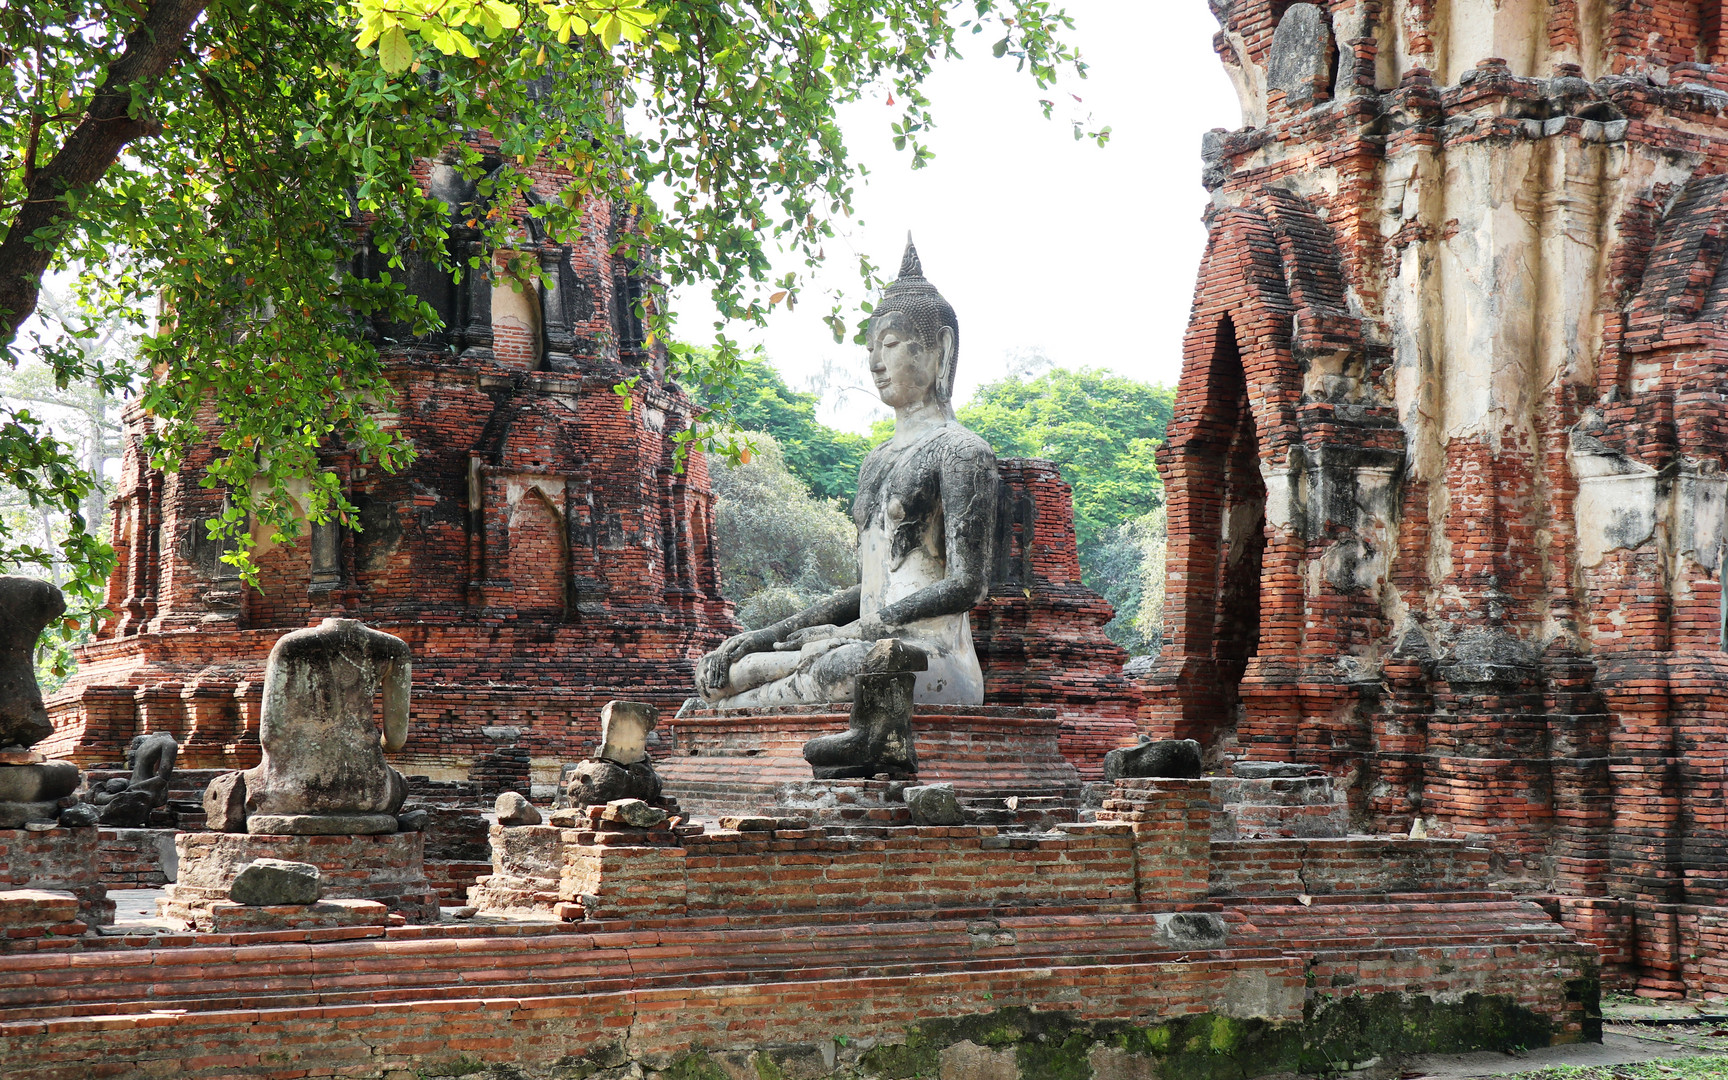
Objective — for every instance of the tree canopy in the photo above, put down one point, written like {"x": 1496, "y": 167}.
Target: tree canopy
{"x": 221, "y": 161}
{"x": 824, "y": 458}
{"x": 1101, "y": 429}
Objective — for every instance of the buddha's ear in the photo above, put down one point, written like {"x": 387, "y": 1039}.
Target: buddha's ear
{"x": 945, "y": 380}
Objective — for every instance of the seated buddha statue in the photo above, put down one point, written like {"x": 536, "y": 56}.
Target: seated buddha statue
{"x": 926, "y": 518}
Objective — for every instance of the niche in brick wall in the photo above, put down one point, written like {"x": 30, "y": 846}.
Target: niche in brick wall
{"x": 1231, "y": 454}
{"x": 539, "y": 558}
{"x": 516, "y": 318}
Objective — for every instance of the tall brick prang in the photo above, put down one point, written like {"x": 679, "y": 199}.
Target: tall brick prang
{"x": 1446, "y": 473}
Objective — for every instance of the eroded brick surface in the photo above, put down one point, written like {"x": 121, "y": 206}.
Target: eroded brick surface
{"x": 1445, "y": 477}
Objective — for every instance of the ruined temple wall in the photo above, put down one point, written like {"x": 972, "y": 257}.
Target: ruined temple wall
{"x": 1446, "y": 473}
{"x": 546, "y": 550}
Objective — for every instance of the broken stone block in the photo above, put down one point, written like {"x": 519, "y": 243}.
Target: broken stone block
{"x": 513, "y": 809}
{"x": 1170, "y": 758}
{"x": 274, "y": 882}
{"x": 596, "y": 783}
{"x": 934, "y": 804}
{"x": 879, "y": 738}
{"x": 225, "y": 803}
{"x": 635, "y": 813}
{"x": 1300, "y": 63}
{"x": 624, "y": 728}
{"x": 412, "y": 821}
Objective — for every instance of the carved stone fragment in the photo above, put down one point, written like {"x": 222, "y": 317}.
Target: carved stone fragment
{"x": 1301, "y": 60}
{"x": 26, "y": 606}
{"x": 879, "y": 737}
{"x": 624, "y": 728}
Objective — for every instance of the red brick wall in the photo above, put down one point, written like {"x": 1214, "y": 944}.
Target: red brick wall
{"x": 1466, "y": 619}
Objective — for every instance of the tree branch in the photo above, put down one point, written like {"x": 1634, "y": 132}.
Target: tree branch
{"x": 152, "y": 48}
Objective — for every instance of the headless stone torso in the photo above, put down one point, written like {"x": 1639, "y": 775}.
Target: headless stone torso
{"x": 322, "y": 751}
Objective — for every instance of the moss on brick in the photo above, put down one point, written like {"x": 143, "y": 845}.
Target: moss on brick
{"x": 1343, "y": 1031}
{"x": 1335, "y": 1034}
{"x": 697, "y": 1066}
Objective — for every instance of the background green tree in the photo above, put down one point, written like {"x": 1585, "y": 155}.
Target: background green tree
{"x": 781, "y": 548}
{"x": 1101, "y": 429}
{"x": 825, "y": 459}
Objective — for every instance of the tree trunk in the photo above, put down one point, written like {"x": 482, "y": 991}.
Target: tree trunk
{"x": 152, "y": 47}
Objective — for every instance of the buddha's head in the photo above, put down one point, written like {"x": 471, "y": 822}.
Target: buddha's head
{"x": 914, "y": 339}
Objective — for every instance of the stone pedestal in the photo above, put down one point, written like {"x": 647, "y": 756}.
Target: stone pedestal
{"x": 742, "y": 761}
{"x": 389, "y": 869}
{"x": 58, "y": 860}
{"x": 227, "y": 917}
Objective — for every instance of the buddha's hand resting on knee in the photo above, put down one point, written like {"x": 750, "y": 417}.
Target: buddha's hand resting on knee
{"x": 714, "y": 671}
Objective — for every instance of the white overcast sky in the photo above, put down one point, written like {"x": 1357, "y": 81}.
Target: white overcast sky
{"x": 1040, "y": 242}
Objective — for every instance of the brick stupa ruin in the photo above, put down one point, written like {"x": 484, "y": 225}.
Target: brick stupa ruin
{"x": 543, "y": 551}
{"x": 1445, "y": 476}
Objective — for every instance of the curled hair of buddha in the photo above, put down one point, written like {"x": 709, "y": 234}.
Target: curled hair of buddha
{"x": 913, "y": 296}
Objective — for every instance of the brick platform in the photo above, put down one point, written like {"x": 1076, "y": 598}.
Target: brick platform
{"x": 30, "y": 915}
{"x": 60, "y": 860}
{"x": 717, "y": 762}
{"x": 388, "y": 869}
{"x": 1064, "y": 948}
{"x": 227, "y": 917}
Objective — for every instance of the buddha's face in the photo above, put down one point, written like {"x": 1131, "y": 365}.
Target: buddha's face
{"x": 906, "y": 370}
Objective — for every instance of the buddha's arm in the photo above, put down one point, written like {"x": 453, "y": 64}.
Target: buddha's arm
{"x": 839, "y": 609}
{"x": 969, "y": 515}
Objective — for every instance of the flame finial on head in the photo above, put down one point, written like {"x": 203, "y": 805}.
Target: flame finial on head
{"x": 910, "y": 267}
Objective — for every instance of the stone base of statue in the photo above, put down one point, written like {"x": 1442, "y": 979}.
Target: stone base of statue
{"x": 57, "y": 860}
{"x": 719, "y": 762}
{"x": 388, "y": 868}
